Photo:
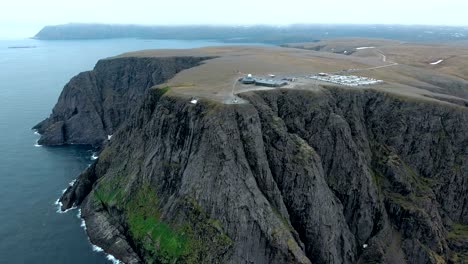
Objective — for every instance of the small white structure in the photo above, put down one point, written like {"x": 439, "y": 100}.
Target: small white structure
{"x": 249, "y": 75}
{"x": 436, "y": 62}
{"x": 271, "y": 75}
{"x": 363, "y": 48}
{"x": 109, "y": 137}
{"x": 365, "y": 246}
{"x": 194, "y": 101}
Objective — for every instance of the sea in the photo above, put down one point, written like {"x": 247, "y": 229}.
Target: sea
{"x": 32, "y": 177}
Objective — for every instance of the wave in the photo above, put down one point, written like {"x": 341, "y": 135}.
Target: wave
{"x": 94, "y": 156}
{"x": 97, "y": 249}
{"x": 72, "y": 182}
{"x": 59, "y": 204}
{"x": 37, "y": 141}
{"x": 94, "y": 247}
{"x": 83, "y": 223}
{"x": 37, "y": 144}
{"x": 113, "y": 259}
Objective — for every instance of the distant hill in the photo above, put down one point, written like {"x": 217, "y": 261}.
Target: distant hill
{"x": 251, "y": 34}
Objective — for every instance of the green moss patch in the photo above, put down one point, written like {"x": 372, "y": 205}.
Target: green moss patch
{"x": 190, "y": 236}
{"x": 378, "y": 179}
{"x": 459, "y": 257}
{"x": 304, "y": 150}
{"x": 206, "y": 236}
{"x": 406, "y": 202}
{"x": 109, "y": 191}
{"x": 158, "y": 238}
{"x": 422, "y": 184}
{"x": 458, "y": 231}
{"x": 161, "y": 89}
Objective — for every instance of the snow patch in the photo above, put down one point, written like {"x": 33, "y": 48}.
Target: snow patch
{"x": 436, "y": 62}
{"x": 363, "y": 48}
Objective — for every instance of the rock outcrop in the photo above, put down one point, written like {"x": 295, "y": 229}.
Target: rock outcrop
{"x": 95, "y": 103}
{"x": 293, "y": 176}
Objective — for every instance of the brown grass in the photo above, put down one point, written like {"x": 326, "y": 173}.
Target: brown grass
{"x": 215, "y": 78}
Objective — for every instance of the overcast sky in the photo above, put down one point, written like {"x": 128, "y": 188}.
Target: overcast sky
{"x": 23, "y": 18}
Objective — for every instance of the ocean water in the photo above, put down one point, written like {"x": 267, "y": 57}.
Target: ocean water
{"x": 33, "y": 177}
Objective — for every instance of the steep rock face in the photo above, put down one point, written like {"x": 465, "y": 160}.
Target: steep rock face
{"x": 292, "y": 177}
{"x": 94, "y": 103}
{"x": 392, "y": 162}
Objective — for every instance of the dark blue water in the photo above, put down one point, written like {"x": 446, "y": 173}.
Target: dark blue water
{"x": 32, "y": 178}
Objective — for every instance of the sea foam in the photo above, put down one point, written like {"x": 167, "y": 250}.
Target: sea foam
{"x": 59, "y": 204}
{"x": 94, "y": 247}
{"x": 112, "y": 259}
{"x": 97, "y": 249}
{"x": 72, "y": 182}
{"x": 37, "y": 144}
{"x": 37, "y": 141}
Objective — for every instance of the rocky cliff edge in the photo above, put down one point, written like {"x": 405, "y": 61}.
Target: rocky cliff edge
{"x": 334, "y": 176}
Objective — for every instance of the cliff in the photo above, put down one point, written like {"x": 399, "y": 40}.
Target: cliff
{"x": 304, "y": 174}
{"x": 335, "y": 176}
{"x": 94, "y": 103}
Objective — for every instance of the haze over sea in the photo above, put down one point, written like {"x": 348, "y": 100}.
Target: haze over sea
{"x": 32, "y": 178}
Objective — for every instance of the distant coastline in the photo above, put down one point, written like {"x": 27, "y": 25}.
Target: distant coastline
{"x": 254, "y": 34}
{"x": 22, "y": 47}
